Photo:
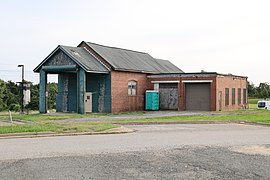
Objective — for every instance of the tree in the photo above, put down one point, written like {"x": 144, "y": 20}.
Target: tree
{"x": 3, "y": 90}
{"x": 34, "y": 103}
{"x": 52, "y": 90}
{"x": 251, "y": 89}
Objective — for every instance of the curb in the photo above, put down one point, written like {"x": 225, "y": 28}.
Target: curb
{"x": 122, "y": 129}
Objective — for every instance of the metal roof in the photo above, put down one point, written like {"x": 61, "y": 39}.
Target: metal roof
{"x": 128, "y": 60}
{"x": 192, "y": 74}
{"x": 81, "y": 57}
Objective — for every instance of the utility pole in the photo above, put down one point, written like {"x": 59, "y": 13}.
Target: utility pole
{"x": 22, "y": 66}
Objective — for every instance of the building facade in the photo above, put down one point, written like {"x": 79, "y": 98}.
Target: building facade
{"x": 205, "y": 91}
{"x": 97, "y": 78}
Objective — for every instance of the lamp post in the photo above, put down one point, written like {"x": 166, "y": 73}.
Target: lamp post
{"x": 22, "y": 66}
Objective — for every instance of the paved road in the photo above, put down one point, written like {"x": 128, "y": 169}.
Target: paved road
{"x": 190, "y": 151}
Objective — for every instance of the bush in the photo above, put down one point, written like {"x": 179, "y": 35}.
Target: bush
{"x": 14, "y": 107}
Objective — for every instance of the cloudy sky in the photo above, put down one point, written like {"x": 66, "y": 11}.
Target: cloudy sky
{"x": 231, "y": 36}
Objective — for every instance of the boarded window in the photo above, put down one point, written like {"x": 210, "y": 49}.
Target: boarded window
{"x": 233, "y": 96}
{"x": 239, "y": 96}
{"x": 226, "y": 96}
{"x": 244, "y": 96}
{"x": 132, "y": 86}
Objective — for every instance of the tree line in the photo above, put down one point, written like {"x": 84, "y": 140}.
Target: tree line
{"x": 10, "y": 96}
{"x": 261, "y": 91}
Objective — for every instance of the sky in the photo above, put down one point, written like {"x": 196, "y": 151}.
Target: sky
{"x": 231, "y": 36}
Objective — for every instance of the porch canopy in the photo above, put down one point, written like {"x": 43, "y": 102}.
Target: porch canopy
{"x": 71, "y": 64}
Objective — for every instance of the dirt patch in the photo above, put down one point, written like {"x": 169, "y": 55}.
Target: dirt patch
{"x": 8, "y": 123}
{"x": 253, "y": 149}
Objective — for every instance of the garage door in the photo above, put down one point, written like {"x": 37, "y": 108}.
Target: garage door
{"x": 168, "y": 96}
{"x": 197, "y": 96}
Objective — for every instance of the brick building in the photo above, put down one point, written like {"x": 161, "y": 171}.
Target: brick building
{"x": 97, "y": 78}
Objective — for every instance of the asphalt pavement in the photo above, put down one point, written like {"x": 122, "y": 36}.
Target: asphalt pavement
{"x": 184, "y": 151}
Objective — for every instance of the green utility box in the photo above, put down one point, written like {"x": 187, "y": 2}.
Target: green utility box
{"x": 151, "y": 100}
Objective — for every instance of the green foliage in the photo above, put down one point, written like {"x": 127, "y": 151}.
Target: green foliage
{"x": 14, "y": 107}
{"x": 253, "y": 100}
{"x": 262, "y": 91}
{"x": 10, "y": 96}
{"x": 52, "y": 90}
{"x": 34, "y": 103}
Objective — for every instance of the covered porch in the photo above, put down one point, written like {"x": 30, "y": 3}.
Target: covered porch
{"x": 83, "y": 83}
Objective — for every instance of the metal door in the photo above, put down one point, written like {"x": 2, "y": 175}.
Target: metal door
{"x": 197, "y": 96}
{"x": 168, "y": 96}
{"x": 88, "y": 102}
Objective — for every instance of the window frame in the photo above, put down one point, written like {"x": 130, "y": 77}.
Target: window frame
{"x": 132, "y": 88}
{"x": 244, "y": 96}
{"x": 227, "y": 96}
{"x": 239, "y": 96}
{"x": 233, "y": 96}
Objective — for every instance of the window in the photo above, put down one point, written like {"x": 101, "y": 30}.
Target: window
{"x": 244, "y": 96}
{"x": 226, "y": 96}
{"x": 239, "y": 96}
{"x": 132, "y": 85}
{"x": 233, "y": 96}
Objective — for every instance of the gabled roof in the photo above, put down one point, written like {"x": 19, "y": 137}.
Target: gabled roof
{"x": 81, "y": 57}
{"x": 128, "y": 60}
{"x": 89, "y": 62}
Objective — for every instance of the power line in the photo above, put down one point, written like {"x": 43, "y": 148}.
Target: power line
{"x": 5, "y": 70}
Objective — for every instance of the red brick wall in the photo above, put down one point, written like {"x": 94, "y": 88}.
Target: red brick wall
{"x": 231, "y": 82}
{"x": 181, "y": 91}
{"x": 120, "y": 99}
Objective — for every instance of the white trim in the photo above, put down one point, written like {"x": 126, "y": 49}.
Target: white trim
{"x": 197, "y": 81}
{"x": 156, "y": 82}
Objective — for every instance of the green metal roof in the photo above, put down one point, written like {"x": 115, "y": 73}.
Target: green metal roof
{"x": 128, "y": 60}
{"x": 81, "y": 57}
{"x": 85, "y": 58}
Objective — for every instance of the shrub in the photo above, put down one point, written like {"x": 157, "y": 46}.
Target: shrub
{"x": 14, "y": 107}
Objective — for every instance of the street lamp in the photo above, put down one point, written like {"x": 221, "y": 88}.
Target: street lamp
{"x": 22, "y": 66}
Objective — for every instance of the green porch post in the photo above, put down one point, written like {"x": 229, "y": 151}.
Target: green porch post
{"x": 81, "y": 90}
{"x": 42, "y": 91}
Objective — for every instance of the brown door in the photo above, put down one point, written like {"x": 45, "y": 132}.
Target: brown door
{"x": 197, "y": 96}
{"x": 168, "y": 96}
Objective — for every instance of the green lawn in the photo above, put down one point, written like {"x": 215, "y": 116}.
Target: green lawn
{"x": 244, "y": 115}
{"x": 252, "y": 103}
{"x": 47, "y": 117}
{"x": 59, "y": 128}
{"x": 50, "y": 123}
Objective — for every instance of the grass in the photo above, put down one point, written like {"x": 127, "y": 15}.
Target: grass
{"x": 49, "y": 122}
{"x": 252, "y": 103}
{"x": 59, "y": 128}
{"x": 47, "y": 117}
{"x": 245, "y": 115}
{"x": 253, "y": 100}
